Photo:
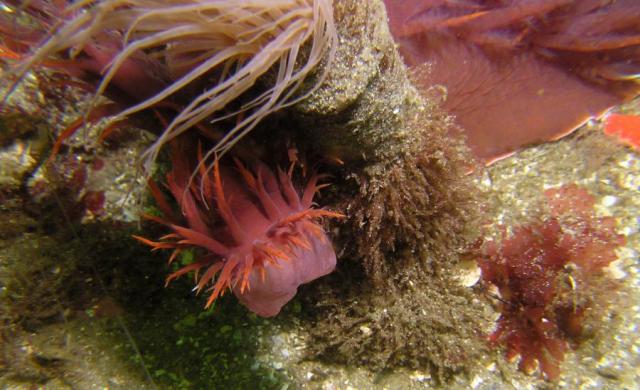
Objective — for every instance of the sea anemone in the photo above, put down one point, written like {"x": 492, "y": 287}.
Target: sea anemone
{"x": 268, "y": 242}
{"x": 154, "y": 49}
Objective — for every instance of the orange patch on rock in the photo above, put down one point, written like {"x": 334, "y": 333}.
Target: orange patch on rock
{"x": 624, "y": 127}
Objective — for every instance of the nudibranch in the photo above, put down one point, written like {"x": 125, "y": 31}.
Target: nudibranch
{"x": 268, "y": 240}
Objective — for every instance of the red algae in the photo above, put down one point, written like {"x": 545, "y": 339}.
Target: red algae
{"x": 94, "y": 202}
{"x": 67, "y": 185}
{"x": 267, "y": 237}
{"x": 545, "y": 273}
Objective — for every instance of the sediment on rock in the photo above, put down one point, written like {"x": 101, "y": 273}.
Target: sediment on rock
{"x": 359, "y": 114}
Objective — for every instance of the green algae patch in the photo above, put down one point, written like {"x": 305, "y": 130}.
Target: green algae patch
{"x": 185, "y": 347}
{"x": 103, "y": 281}
{"x": 181, "y": 345}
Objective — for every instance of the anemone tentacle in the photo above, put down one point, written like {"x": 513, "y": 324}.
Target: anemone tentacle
{"x": 184, "y": 42}
{"x": 227, "y": 214}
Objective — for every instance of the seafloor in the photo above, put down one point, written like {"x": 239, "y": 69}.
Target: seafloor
{"x": 85, "y": 308}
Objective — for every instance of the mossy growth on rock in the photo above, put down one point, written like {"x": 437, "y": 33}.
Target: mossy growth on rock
{"x": 423, "y": 203}
{"x": 404, "y": 182}
{"x": 420, "y": 317}
{"x": 395, "y": 300}
{"x": 185, "y": 347}
{"x": 37, "y": 279}
{"x": 421, "y": 322}
{"x": 412, "y": 210}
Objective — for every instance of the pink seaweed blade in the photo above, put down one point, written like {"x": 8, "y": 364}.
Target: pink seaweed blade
{"x": 520, "y": 72}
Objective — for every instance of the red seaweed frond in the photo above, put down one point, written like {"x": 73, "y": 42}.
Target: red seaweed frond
{"x": 541, "y": 270}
